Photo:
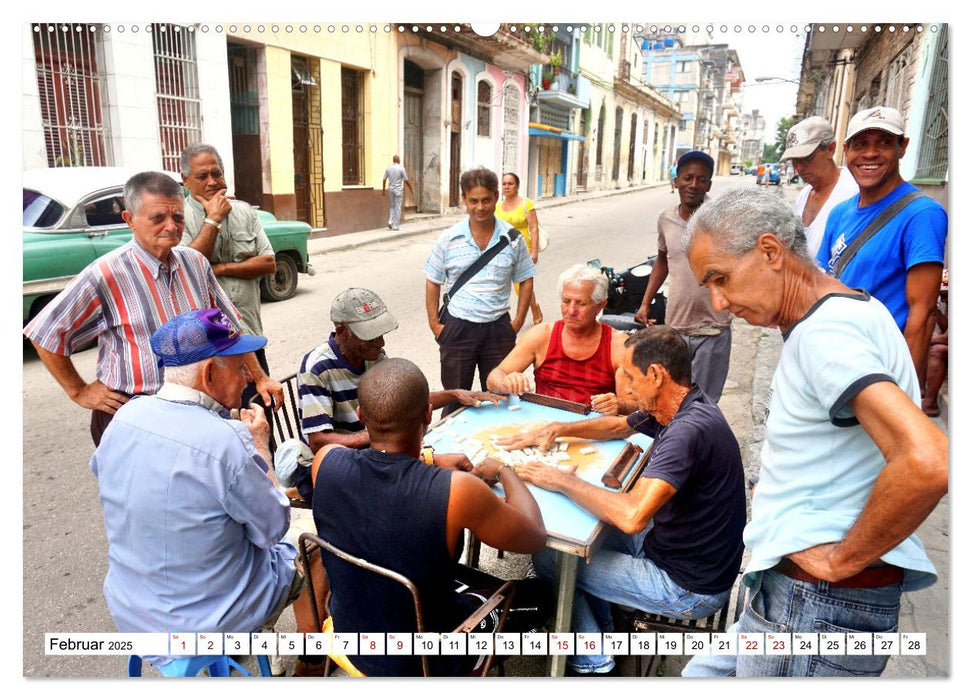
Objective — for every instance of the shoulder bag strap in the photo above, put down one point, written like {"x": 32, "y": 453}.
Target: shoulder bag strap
{"x": 473, "y": 269}
{"x": 881, "y": 220}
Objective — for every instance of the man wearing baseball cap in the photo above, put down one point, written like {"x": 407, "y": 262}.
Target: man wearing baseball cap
{"x": 707, "y": 332}
{"x": 811, "y": 145}
{"x": 193, "y": 515}
{"x": 330, "y": 373}
{"x": 901, "y": 263}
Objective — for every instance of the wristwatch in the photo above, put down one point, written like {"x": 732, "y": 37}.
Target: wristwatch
{"x": 428, "y": 454}
{"x": 212, "y": 222}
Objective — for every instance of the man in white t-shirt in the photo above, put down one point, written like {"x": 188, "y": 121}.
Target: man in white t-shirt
{"x": 395, "y": 178}
{"x": 810, "y": 145}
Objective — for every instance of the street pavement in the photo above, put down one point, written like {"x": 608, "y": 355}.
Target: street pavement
{"x": 63, "y": 532}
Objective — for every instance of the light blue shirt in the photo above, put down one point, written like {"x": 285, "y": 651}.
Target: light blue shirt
{"x": 818, "y": 463}
{"x": 193, "y": 522}
{"x": 485, "y": 297}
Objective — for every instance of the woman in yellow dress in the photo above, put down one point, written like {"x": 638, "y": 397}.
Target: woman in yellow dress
{"x": 519, "y": 212}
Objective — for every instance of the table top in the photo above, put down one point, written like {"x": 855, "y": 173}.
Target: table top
{"x": 570, "y": 528}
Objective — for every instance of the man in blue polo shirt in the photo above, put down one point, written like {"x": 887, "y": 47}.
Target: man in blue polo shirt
{"x": 901, "y": 265}
{"x": 692, "y": 488}
{"x": 475, "y": 331}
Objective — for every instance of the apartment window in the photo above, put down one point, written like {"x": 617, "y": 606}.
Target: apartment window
{"x": 72, "y": 94}
{"x": 897, "y": 79}
{"x": 176, "y": 91}
{"x": 682, "y": 66}
{"x": 601, "y": 123}
{"x": 352, "y": 125}
{"x": 932, "y": 160}
{"x": 484, "y": 127}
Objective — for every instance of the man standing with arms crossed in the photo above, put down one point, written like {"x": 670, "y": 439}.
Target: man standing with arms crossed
{"x": 396, "y": 175}
{"x": 229, "y": 233}
{"x": 707, "y": 332}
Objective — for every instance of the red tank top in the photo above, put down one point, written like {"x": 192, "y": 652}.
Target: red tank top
{"x": 575, "y": 380}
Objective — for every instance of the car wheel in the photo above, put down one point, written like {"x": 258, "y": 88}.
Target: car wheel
{"x": 283, "y": 283}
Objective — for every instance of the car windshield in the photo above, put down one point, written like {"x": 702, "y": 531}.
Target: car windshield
{"x": 40, "y": 211}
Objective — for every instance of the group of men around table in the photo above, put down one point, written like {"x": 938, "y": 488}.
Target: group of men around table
{"x": 850, "y": 466}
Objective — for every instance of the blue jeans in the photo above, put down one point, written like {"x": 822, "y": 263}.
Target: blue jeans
{"x": 777, "y": 603}
{"x": 620, "y": 573}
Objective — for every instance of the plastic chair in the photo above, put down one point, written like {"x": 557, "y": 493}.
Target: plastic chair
{"x": 503, "y": 596}
{"x": 191, "y": 666}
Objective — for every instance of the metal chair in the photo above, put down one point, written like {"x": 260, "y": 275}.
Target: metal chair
{"x": 503, "y": 596}
{"x": 640, "y": 621}
{"x": 191, "y": 666}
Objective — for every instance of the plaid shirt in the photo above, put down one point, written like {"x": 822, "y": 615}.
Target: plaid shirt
{"x": 121, "y": 299}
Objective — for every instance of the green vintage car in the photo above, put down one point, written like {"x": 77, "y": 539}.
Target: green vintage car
{"x": 73, "y": 215}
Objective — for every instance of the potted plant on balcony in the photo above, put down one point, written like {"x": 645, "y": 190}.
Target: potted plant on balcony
{"x": 547, "y": 78}
{"x": 556, "y": 60}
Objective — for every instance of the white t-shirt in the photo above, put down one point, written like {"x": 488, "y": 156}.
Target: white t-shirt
{"x": 818, "y": 463}
{"x": 845, "y": 188}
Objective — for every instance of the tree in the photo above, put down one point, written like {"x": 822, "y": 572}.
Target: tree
{"x": 781, "y": 131}
{"x": 770, "y": 153}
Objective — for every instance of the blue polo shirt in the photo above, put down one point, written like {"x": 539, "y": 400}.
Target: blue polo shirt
{"x": 697, "y": 534}
{"x": 485, "y": 297}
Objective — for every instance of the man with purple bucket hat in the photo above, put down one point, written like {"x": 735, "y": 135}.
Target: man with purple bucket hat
{"x": 193, "y": 515}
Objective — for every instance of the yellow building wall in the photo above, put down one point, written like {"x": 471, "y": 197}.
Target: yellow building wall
{"x": 280, "y": 126}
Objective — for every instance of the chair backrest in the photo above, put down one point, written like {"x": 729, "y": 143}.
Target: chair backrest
{"x": 309, "y": 537}
{"x": 286, "y": 421}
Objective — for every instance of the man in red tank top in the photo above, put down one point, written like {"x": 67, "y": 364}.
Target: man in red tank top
{"x": 577, "y": 358}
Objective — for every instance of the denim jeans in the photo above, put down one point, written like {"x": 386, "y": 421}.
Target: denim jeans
{"x": 620, "y": 573}
{"x": 777, "y": 603}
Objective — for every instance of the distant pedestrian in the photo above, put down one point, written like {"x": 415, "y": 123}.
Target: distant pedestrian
{"x": 673, "y": 174}
{"x": 398, "y": 178}
{"x": 519, "y": 212}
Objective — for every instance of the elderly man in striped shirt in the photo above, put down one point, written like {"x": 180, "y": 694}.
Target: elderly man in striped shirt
{"x": 123, "y": 297}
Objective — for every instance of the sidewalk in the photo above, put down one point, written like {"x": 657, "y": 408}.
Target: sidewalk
{"x": 418, "y": 224}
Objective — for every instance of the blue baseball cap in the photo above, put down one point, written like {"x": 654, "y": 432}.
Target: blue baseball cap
{"x": 199, "y": 335}
{"x": 696, "y": 155}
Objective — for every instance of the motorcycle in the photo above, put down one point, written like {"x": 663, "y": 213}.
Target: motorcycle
{"x": 625, "y": 292}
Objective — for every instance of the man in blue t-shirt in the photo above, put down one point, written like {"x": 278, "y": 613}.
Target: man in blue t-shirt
{"x": 692, "y": 488}
{"x": 901, "y": 265}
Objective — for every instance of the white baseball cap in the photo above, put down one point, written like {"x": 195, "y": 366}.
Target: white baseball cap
{"x": 884, "y": 118}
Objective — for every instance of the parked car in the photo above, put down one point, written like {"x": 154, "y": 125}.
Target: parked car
{"x": 736, "y": 169}
{"x": 73, "y": 216}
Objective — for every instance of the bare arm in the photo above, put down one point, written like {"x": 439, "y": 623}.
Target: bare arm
{"x": 267, "y": 387}
{"x": 515, "y": 525}
{"x": 439, "y": 399}
{"x": 433, "y": 294}
{"x": 603, "y": 428}
{"x": 522, "y": 303}
{"x": 91, "y": 396}
{"x": 907, "y": 490}
{"x": 251, "y": 268}
{"x": 922, "y": 289}
{"x": 533, "y": 224}
{"x": 508, "y": 377}
{"x": 217, "y": 208}
{"x": 658, "y": 275}
{"x": 630, "y": 512}
{"x": 323, "y": 438}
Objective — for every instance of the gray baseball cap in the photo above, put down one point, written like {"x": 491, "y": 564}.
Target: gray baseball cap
{"x": 806, "y": 136}
{"x": 363, "y": 312}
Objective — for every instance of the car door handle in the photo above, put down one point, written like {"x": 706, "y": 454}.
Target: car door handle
{"x": 91, "y": 233}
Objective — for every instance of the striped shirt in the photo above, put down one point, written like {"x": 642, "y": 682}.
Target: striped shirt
{"x": 327, "y": 387}
{"x": 121, "y": 299}
{"x": 485, "y": 297}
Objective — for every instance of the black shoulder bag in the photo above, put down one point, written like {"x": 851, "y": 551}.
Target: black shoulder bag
{"x": 473, "y": 269}
{"x": 881, "y": 220}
